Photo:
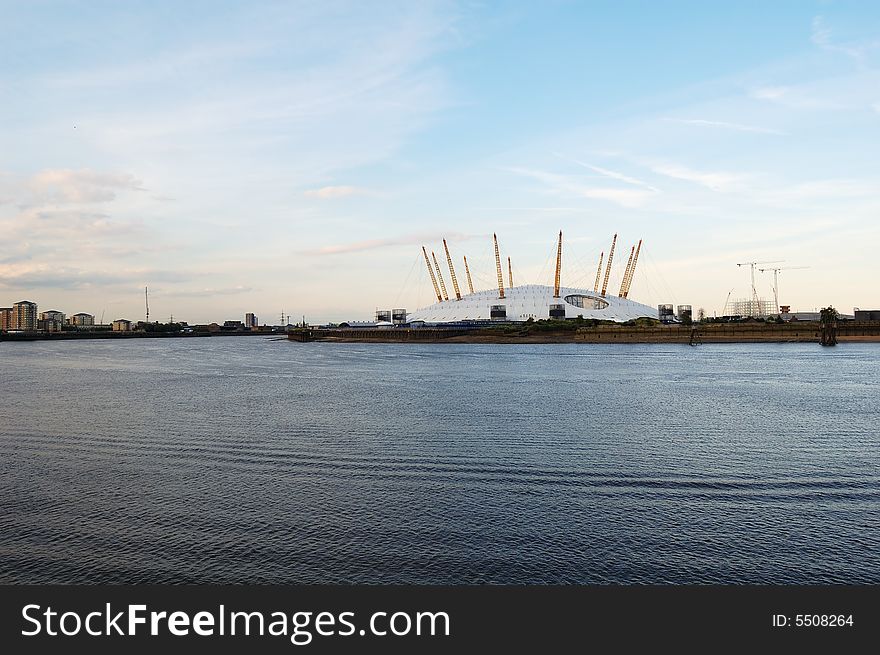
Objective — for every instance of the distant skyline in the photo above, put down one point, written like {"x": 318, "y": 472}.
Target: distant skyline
{"x": 267, "y": 156}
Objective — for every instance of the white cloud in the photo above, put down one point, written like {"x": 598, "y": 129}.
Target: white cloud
{"x": 614, "y": 175}
{"x": 714, "y": 180}
{"x": 821, "y": 36}
{"x": 565, "y": 185}
{"x": 79, "y": 186}
{"x": 739, "y": 127}
{"x": 373, "y": 244}
{"x": 337, "y": 192}
{"x": 769, "y": 92}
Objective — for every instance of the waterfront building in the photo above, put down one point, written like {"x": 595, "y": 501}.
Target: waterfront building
{"x": 52, "y": 315}
{"x": 5, "y": 318}
{"x": 121, "y": 325}
{"x": 82, "y": 320}
{"x": 24, "y": 315}
{"x": 51, "y": 321}
{"x": 250, "y": 320}
{"x": 861, "y": 314}
{"x": 48, "y": 325}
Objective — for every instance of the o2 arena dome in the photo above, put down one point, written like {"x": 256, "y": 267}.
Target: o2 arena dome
{"x": 532, "y": 301}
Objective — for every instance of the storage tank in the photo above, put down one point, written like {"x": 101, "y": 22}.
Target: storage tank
{"x": 666, "y": 313}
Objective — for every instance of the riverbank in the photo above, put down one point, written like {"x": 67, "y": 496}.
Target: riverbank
{"x": 106, "y": 334}
{"x": 757, "y": 332}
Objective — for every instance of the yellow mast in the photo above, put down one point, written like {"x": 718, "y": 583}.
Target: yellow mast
{"x": 632, "y": 270}
{"x": 431, "y": 273}
{"x": 452, "y": 271}
{"x": 626, "y": 272}
{"x": 607, "y": 266}
{"x": 510, "y": 272}
{"x": 468, "y": 273}
{"x": 498, "y": 268}
{"x": 598, "y": 271}
{"x": 440, "y": 277}
{"x": 558, "y": 267}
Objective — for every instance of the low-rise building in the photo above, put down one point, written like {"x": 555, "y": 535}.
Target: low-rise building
{"x": 121, "y": 325}
{"x": 52, "y": 315}
{"x": 82, "y": 320}
{"x": 861, "y": 314}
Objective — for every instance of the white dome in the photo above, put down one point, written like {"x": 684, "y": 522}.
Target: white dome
{"x": 533, "y": 301}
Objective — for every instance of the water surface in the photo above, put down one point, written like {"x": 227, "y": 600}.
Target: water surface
{"x": 252, "y": 460}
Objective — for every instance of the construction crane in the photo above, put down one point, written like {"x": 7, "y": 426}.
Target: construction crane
{"x": 467, "y": 272}
{"x": 431, "y": 273}
{"x": 452, "y": 271}
{"x": 752, "y": 265}
{"x": 510, "y": 272}
{"x": 558, "y": 278}
{"x": 440, "y": 277}
{"x": 776, "y": 280}
{"x": 629, "y": 262}
{"x": 598, "y": 271}
{"x": 608, "y": 265}
{"x": 498, "y": 268}
{"x": 628, "y": 279}
{"x": 726, "y": 302}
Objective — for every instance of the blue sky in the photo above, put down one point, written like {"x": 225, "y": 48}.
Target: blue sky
{"x": 270, "y": 156}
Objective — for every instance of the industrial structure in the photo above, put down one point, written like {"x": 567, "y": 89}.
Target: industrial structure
{"x": 530, "y": 301}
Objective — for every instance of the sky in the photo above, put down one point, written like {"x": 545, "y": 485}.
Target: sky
{"x": 293, "y": 157}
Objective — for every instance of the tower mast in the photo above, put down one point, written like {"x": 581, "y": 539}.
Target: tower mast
{"x": 440, "y": 277}
{"x": 510, "y": 272}
{"x": 608, "y": 265}
{"x": 498, "y": 268}
{"x": 626, "y": 272}
{"x": 558, "y": 278}
{"x": 632, "y": 270}
{"x": 452, "y": 271}
{"x": 468, "y": 273}
{"x": 147, "y": 302}
{"x": 598, "y": 271}
{"x": 431, "y": 273}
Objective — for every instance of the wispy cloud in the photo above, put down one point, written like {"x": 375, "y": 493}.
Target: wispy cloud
{"x": 858, "y": 51}
{"x": 208, "y": 291}
{"x": 714, "y": 180}
{"x": 374, "y": 244}
{"x": 329, "y": 192}
{"x": 568, "y": 186}
{"x": 739, "y": 127}
{"x": 614, "y": 175}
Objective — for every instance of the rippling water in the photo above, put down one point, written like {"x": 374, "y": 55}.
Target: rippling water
{"x": 252, "y": 460}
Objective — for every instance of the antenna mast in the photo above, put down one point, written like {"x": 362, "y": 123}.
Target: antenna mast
{"x": 147, "y": 302}
{"x": 510, "y": 272}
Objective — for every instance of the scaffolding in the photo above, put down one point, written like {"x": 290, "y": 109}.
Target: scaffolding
{"x": 752, "y": 307}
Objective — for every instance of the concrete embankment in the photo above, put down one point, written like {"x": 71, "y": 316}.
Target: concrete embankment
{"x": 107, "y": 334}
{"x": 796, "y": 332}
{"x": 800, "y": 332}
